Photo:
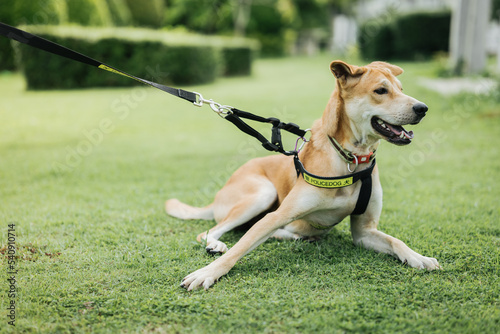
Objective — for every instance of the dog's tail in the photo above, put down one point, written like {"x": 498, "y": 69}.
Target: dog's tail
{"x": 177, "y": 209}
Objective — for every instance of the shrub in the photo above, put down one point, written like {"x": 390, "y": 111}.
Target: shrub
{"x": 15, "y": 12}
{"x": 410, "y": 36}
{"x": 147, "y": 13}
{"x": 237, "y": 61}
{"x": 421, "y": 34}
{"x": 268, "y": 25}
{"x": 6, "y": 55}
{"x": 376, "y": 40}
{"x": 206, "y": 17}
{"x": 89, "y": 12}
{"x": 120, "y": 12}
{"x": 154, "y": 55}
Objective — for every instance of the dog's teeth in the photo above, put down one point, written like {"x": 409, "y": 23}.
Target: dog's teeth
{"x": 385, "y": 126}
{"x": 379, "y": 121}
{"x": 402, "y": 136}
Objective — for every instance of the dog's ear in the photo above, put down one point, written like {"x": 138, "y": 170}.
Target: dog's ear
{"x": 342, "y": 70}
{"x": 393, "y": 69}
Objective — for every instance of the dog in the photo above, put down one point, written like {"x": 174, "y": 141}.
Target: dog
{"x": 367, "y": 105}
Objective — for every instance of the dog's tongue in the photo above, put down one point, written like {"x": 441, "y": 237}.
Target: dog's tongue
{"x": 398, "y": 130}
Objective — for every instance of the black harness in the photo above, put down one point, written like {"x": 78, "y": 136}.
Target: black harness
{"x": 365, "y": 176}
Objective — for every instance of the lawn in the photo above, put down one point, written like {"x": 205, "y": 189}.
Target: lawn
{"x": 84, "y": 175}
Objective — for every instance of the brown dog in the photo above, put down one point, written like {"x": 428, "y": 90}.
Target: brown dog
{"x": 367, "y": 105}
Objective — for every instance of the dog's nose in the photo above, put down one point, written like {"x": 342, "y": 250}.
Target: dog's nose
{"x": 420, "y": 109}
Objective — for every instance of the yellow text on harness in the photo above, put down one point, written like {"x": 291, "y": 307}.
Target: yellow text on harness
{"x": 328, "y": 183}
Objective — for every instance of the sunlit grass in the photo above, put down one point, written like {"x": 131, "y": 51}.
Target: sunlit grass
{"x": 85, "y": 174}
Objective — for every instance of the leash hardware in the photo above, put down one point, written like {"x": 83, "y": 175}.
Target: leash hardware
{"x": 304, "y": 141}
{"x": 349, "y": 165}
{"x": 221, "y": 109}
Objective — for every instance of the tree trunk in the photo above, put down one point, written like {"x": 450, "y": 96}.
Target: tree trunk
{"x": 241, "y": 14}
{"x": 469, "y": 26}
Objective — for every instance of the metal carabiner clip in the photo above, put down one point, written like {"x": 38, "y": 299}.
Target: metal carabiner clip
{"x": 304, "y": 141}
{"x": 220, "y": 109}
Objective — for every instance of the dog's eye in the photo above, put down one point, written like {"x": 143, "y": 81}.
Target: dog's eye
{"x": 381, "y": 91}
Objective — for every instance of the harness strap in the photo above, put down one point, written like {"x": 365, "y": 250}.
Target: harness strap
{"x": 233, "y": 118}
{"x": 365, "y": 176}
{"x": 364, "y": 196}
{"x": 275, "y": 144}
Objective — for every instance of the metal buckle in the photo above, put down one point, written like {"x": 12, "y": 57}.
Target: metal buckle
{"x": 221, "y": 109}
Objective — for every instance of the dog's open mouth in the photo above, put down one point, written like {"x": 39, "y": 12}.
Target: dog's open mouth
{"x": 395, "y": 134}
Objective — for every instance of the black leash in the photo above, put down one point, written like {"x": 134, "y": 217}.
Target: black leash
{"x": 229, "y": 113}
{"x": 40, "y": 43}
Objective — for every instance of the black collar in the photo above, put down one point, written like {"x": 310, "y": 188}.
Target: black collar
{"x": 350, "y": 157}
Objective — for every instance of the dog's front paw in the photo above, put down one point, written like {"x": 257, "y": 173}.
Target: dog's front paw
{"x": 422, "y": 262}
{"x": 204, "y": 277}
{"x": 215, "y": 247}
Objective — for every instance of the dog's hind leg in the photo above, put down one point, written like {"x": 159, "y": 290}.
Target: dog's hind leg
{"x": 248, "y": 201}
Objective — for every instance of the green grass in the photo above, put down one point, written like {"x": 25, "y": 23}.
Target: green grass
{"x": 98, "y": 254}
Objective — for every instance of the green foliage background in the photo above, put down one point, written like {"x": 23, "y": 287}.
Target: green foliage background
{"x": 275, "y": 23}
{"x": 167, "y": 58}
{"x": 407, "y": 37}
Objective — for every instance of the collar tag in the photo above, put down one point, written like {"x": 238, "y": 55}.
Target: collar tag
{"x": 362, "y": 159}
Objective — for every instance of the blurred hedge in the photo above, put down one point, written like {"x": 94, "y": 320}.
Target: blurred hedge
{"x": 407, "y": 37}
{"x": 89, "y": 12}
{"x": 163, "y": 57}
{"x": 120, "y": 12}
{"x": 6, "y": 55}
{"x": 376, "y": 41}
{"x": 268, "y": 25}
{"x": 147, "y": 13}
{"x": 14, "y": 12}
{"x": 237, "y": 60}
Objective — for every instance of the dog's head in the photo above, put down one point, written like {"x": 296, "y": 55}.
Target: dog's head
{"x": 374, "y": 101}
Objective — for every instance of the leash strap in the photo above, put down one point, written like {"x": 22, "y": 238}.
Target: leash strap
{"x": 231, "y": 114}
{"x": 365, "y": 176}
{"x": 40, "y": 43}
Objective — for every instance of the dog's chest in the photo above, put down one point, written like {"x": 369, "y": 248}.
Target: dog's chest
{"x": 332, "y": 211}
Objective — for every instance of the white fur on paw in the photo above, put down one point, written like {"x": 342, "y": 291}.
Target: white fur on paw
{"x": 204, "y": 277}
{"x": 216, "y": 246}
{"x": 422, "y": 262}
